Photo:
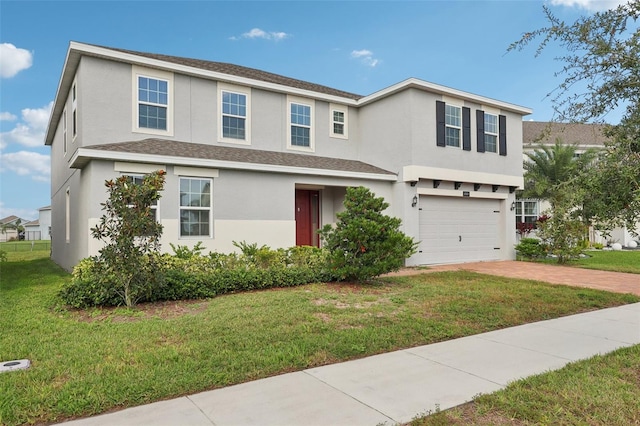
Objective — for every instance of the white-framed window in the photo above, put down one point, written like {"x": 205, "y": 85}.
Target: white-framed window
{"x": 196, "y": 218}
{"x": 453, "y": 125}
{"x": 490, "y": 132}
{"x": 234, "y": 118}
{"x": 300, "y": 124}
{"x": 64, "y": 131}
{"x": 527, "y": 211}
{"x": 153, "y": 100}
{"x": 74, "y": 113}
{"x": 339, "y": 121}
{"x": 67, "y": 215}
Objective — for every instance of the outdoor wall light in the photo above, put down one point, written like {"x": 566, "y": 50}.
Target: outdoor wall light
{"x": 513, "y": 205}
{"x": 414, "y": 202}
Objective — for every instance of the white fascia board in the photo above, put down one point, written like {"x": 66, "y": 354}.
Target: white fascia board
{"x": 229, "y": 78}
{"x": 444, "y": 90}
{"x": 415, "y": 173}
{"x": 458, "y": 193}
{"x": 82, "y": 155}
{"x": 64, "y": 84}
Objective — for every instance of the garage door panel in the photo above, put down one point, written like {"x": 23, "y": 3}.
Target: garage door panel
{"x": 458, "y": 229}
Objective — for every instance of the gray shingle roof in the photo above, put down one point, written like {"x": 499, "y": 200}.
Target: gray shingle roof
{"x": 170, "y": 148}
{"x": 543, "y": 132}
{"x": 240, "y": 71}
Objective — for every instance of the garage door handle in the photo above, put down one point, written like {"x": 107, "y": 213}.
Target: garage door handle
{"x": 460, "y": 238}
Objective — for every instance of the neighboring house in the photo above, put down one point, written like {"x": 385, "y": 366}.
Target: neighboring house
{"x": 8, "y": 227}
{"x": 582, "y": 136}
{"x": 39, "y": 229}
{"x": 262, "y": 158}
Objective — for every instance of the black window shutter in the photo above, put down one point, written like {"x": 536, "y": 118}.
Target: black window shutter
{"x": 502, "y": 134}
{"x": 480, "y": 128}
{"x": 466, "y": 129}
{"x": 440, "y": 123}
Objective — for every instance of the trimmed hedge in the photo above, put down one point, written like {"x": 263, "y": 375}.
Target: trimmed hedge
{"x": 190, "y": 275}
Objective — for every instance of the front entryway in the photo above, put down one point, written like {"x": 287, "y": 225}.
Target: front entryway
{"x": 307, "y": 217}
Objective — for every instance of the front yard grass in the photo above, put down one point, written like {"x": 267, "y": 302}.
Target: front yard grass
{"x": 603, "y": 390}
{"x": 618, "y": 261}
{"x": 88, "y": 362}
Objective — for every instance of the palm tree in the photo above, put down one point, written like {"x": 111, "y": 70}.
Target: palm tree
{"x": 548, "y": 167}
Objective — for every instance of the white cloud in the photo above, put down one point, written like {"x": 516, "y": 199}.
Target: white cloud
{"x": 7, "y": 116}
{"x": 590, "y": 5}
{"x": 366, "y": 56}
{"x": 13, "y": 60}
{"x": 30, "y": 131}
{"x": 27, "y": 163}
{"x": 267, "y": 35}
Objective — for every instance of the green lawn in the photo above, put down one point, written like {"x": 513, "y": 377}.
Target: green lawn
{"x": 604, "y": 390}
{"x": 619, "y": 261}
{"x": 88, "y": 362}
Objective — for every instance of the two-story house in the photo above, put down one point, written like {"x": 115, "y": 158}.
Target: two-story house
{"x": 258, "y": 157}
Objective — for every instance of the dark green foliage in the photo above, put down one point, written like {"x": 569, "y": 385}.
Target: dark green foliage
{"x": 189, "y": 275}
{"x": 365, "y": 243}
{"x": 530, "y": 248}
{"x": 130, "y": 232}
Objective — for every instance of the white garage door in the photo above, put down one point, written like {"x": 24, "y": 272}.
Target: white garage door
{"x": 458, "y": 229}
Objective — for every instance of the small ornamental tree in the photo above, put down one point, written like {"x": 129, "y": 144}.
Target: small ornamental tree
{"x": 365, "y": 243}
{"x": 130, "y": 232}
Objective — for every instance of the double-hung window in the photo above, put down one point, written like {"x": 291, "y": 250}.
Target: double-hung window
{"x": 74, "y": 114}
{"x": 137, "y": 180}
{"x": 527, "y": 211}
{"x": 490, "y": 132}
{"x": 153, "y": 102}
{"x": 195, "y": 207}
{"x": 300, "y": 131}
{"x": 234, "y": 118}
{"x": 453, "y": 125}
{"x": 339, "y": 121}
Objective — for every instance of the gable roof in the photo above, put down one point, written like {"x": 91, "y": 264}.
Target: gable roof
{"x": 10, "y": 219}
{"x": 544, "y": 132}
{"x": 193, "y": 154}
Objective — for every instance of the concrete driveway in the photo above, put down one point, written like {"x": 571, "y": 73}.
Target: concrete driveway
{"x": 618, "y": 282}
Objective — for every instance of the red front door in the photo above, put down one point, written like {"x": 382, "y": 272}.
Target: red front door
{"x": 307, "y": 217}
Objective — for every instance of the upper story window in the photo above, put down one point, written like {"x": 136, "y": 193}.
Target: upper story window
{"x": 64, "y": 131}
{"x": 490, "y": 132}
{"x": 195, "y": 207}
{"x": 234, "y": 119}
{"x": 453, "y": 125}
{"x": 152, "y": 101}
{"x": 74, "y": 108}
{"x": 300, "y": 125}
{"x": 339, "y": 121}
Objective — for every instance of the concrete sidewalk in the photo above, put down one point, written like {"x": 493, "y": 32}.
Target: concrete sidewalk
{"x": 394, "y": 387}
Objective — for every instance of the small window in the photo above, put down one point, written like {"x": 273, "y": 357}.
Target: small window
{"x": 195, "y": 207}
{"x": 64, "y": 131}
{"x": 300, "y": 125}
{"x": 74, "y": 113}
{"x": 490, "y": 132}
{"x": 453, "y": 125}
{"x": 153, "y": 101}
{"x": 67, "y": 215}
{"x": 234, "y": 115}
{"x": 338, "y": 121}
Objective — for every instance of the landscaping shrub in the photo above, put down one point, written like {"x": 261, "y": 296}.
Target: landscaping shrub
{"x": 530, "y": 248}
{"x": 189, "y": 275}
{"x": 365, "y": 243}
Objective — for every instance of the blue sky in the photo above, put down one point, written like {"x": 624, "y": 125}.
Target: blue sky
{"x": 357, "y": 46}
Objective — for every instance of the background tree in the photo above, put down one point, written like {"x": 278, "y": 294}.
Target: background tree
{"x": 601, "y": 70}
{"x": 130, "y": 232}
{"x": 365, "y": 243}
